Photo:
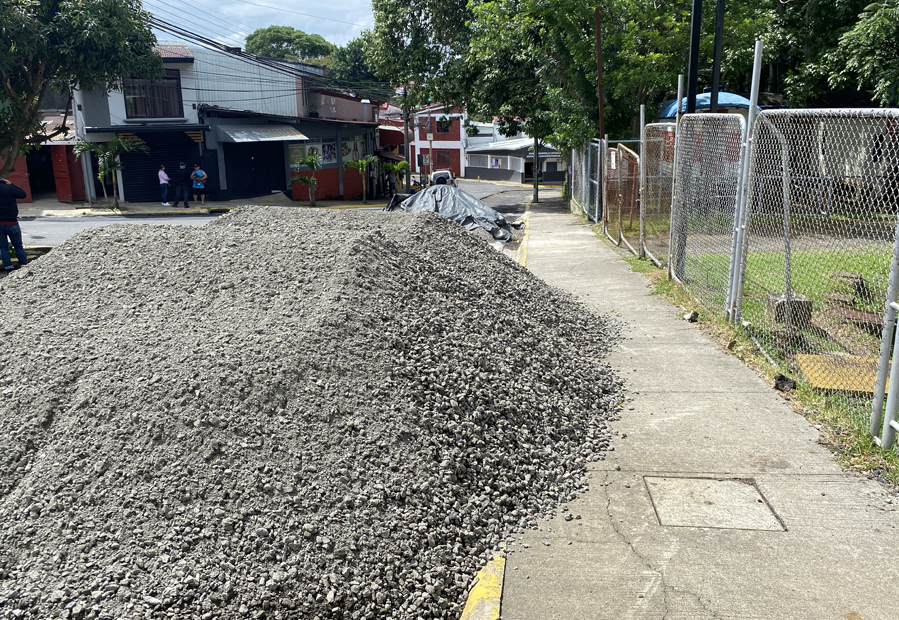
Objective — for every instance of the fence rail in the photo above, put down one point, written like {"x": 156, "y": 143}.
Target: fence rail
{"x": 793, "y": 234}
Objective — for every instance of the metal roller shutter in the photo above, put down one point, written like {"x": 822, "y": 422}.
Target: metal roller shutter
{"x": 139, "y": 172}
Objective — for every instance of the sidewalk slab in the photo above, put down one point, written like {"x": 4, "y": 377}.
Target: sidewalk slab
{"x": 696, "y": 412}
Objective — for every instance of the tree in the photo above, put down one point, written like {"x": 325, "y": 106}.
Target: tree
{"x": 867, "y": 52}
{"x": 350, "y": 63}
{"x": 288, "y": 43}
{"x": 108, "y": 160}
{"x": 65, "y": 44}
{"x": 313, "y": 162}
{"x": 397, "y": 168}
{"x": 420, "y": 44}
{"x": 362, "y": 165}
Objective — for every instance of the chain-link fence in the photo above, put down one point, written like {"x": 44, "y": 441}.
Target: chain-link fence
{"x": 822, "y": 200}
{"x": 580, "y": 178}
{"x": 707, "y": 179}
{"x": 657, "y": 158}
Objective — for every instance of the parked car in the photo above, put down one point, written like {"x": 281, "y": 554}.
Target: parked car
{"x": 445, "y": 175}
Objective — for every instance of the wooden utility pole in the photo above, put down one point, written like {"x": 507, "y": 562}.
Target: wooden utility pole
{"x": 602, "y": 115}
{"x": 536, "y": 168}
{"x": 408, "y": 186}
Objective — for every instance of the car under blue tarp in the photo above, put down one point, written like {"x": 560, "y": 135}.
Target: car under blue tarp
{"x": 704, "y": 102}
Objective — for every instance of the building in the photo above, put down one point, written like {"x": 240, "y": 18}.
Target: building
{"x": 248, "y": 123}
{"x": 513, "y": 160}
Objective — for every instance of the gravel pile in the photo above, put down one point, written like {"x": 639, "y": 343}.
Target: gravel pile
{"x": 283, "y": 414}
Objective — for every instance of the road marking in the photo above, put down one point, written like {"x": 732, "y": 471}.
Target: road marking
{"x": 486, "y": 595}
{"x": 522, "y": 256}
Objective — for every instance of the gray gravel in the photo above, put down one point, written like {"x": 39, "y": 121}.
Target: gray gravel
{"x": 283, "y": 414}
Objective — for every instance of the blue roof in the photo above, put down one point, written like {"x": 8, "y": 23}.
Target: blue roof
{"x": 703, "y": 102}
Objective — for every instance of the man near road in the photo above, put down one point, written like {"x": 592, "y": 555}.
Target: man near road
{"x": 9, "y": 225}
{"x": 199, "y": 179}
{"x": 182, "y": 181}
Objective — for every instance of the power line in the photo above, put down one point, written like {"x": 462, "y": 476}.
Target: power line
{"x": 277, "y": 8}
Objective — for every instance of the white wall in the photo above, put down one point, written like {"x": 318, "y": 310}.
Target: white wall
{"x": 118, "y": 115}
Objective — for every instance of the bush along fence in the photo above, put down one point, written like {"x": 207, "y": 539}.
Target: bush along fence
{"x": 787, "y": 223}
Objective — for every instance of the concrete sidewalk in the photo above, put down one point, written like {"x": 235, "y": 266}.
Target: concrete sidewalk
{"x": 718, "y": 503}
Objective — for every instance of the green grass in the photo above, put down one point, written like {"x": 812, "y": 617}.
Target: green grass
{"x": 842, "y": 417}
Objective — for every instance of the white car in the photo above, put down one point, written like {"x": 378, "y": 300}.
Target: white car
{"x": 442, "y": 177}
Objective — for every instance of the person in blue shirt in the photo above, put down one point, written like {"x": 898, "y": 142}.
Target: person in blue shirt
{"x": 199, "y": 178}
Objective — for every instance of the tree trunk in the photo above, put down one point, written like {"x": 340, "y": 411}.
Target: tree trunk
{"x": 11, "y": 156}
{"x": 312, "y": 190}
{"x": 364, "y": 190}
{"x": 105, "y": 195}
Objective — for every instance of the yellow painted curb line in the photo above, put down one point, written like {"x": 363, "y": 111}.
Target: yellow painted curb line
{"x": 522, "y": 256}
{"x": 486, "y": 595}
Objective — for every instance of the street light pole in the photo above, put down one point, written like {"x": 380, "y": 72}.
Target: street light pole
{"x": 406, "y": 140}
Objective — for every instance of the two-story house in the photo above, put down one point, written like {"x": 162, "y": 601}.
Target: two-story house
{"x": 247, "y": 123}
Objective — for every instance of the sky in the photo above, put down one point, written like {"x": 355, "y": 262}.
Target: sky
{"x": 229, "y": 21}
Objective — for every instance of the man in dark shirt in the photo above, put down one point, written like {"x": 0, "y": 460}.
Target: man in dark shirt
{"x": 9, "y": 225}
{"x": 182, "y": 182}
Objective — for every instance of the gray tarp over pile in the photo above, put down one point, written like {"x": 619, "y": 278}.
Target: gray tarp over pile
{"x": 459, "y": 206}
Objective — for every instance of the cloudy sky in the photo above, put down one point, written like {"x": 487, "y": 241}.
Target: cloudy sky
{"x": 229, "y": 21}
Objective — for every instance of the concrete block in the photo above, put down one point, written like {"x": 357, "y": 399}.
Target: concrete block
{"x": 800, "y": 306}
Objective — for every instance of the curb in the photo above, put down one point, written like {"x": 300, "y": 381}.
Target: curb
{"x": 522, "y": 256}
{"x": 485, "y": 596}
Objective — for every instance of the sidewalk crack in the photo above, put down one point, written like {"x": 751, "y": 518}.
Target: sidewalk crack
{"x": 666, "y": 587}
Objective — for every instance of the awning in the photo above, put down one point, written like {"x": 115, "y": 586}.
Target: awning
{"x": 391, "y": 156}
{"x": 258, "y": 133}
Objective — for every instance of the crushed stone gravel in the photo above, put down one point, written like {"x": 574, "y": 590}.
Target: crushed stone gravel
{"x": 284, "y": 414}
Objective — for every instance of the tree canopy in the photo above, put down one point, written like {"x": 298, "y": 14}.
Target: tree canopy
{"x": 65, "y": 44}
{"x": 534, "y": 60}
{"x": 288, "y": 43}
{"x": 350, "y": 63}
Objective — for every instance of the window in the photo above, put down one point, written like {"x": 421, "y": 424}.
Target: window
{"x": 442, "y": 158}
{"x": 477, "y": 161}
{"x": 443, "y": 126}
{"x": 160, "y": 98}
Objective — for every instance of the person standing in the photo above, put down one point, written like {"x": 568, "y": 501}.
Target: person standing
{"x": 199, "y": 179}
{"x": 182, "y": 184}
{"x": 391, "y": 182}
{"x": 164, "y": 185}
{"x": 9, "y": 225}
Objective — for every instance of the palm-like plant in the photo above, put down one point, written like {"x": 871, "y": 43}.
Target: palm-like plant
{"x": 313, "y": 162}
{"x": 361, "y": 164}
{"x": 397, "y": 169}
{"x": 108, "y": 161}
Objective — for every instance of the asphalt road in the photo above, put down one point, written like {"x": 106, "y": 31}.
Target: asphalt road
{"x": 54, "y": 230}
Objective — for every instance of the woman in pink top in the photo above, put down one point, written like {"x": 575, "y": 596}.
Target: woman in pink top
{"x": 164, "y": 185}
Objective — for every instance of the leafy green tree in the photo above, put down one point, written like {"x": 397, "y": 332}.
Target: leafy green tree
{"x": 288, "y": 43}
{"x": 867, "y": 52}
{"x": 65, "y": 44}
{"x": 420, "y": 44}
{"x": 108, "y": 160}
{"x": 350, "y": 63}
{"x": 313, "y": 162}
{"x": 362, "y": 165}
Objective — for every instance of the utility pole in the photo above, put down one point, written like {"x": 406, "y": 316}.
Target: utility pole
{"x": 430, "y": 138}
{"x": 602, "y": 115}
{"x": 693, "y": 68}
{"x": 406, "y": 140}
{"x": 716, "y": 63}
{"x": 536, "y": 168}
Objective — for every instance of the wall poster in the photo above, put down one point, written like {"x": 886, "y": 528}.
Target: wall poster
{"x": 353, "y": 149}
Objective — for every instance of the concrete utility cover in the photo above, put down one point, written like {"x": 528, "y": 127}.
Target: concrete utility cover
{"x": 710, "y": 502}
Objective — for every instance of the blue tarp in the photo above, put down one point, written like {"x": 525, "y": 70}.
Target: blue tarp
{"x": 703, "y": 102}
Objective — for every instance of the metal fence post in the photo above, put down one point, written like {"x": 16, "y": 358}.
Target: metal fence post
{"x": 738, "y": 269}
{"x": 886, "y": 342}
{"x": 640, "y": 193}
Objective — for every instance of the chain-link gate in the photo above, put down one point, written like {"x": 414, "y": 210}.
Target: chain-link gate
{"x": 707, "y": 180}
{"x": 579, "y": 178}
{"x": 823, "y": 196}
{"x": 621, "y": 189}
{"x": 657, "y": 161}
